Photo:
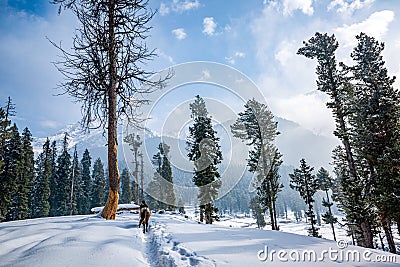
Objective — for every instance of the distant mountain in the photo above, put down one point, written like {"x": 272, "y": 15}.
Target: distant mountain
{"x": 294, "y": 142}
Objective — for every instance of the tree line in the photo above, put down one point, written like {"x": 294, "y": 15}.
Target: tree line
{"x": 55, "y": 183}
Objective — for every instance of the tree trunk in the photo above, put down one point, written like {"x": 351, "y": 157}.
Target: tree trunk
{"x": 271, "y": 215}
{"x": 330, "y": 214}
{"x": 398, "y": 225}
{"x": 110, "y": 209}
{"x": 275, "y": 220}
{"x": 367, "y": 234}
{"x": 201, "y": 213}
{"x": 388, "y": 232}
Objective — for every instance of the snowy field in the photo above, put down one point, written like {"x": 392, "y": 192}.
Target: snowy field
{"x": 173, "y": 240}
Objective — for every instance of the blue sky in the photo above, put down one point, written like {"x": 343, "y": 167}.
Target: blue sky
{"x": 259, "y": 38}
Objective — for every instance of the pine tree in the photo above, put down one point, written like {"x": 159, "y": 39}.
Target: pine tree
{"x": 11, "y": 174}
{"x": 26, "y": 176}
{"x": 303, "y": 181}
{"x": 375, "y": 119}
{"x": 83, "y": 204}
{"x": 63, "y": 176}
{"x": 98, "y": 186}
{"x": 166, "y": 174}
{"x": 325, "y": 183}
{"x": 258, "y": 212}
{"x": 75, "y": 184}
{"x": 205, "y": 152}
{"x": 53, "y": 180}
{"x": 134, "y": 142}
{"x": 161, "y": 188}
{"x": 257, "y": 127}
{"x": 126, "y": 194}
{"x": 336, "y": 83}
{"x": 41, "y": 192}
{"x": 5, "y": 180}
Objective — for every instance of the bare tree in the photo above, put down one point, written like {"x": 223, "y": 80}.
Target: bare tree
{"x": 104, "y": 70}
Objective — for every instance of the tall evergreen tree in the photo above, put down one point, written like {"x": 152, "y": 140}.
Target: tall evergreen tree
{"x": 126, "y": 193}
{"x": 205, "y": 152}
{"x": 63, "y": 194}
{"x": 257, "y": 127}
{"x": 85, "y": 186}
{"x": 166, "y": 173}
{"x": 98, "y": 186}
{"x": 11, "y": 174}
{"x": 134, "y": 142}
{"x": 303, "y": 181}
{"x": 5, "y": 180}
{"x": 376, "y": 134}
{"x": 336, "y": 83}
{"x": 53, "y": 180}
{"x": 75, "y": 186}
{"x": 258, "y": 212}
{"x": 41, "y": 192}
{"x": 325, "y": 184}
{"x": 25, "y": 178}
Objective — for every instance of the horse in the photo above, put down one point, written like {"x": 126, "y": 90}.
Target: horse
{"x": 144, "y": 218}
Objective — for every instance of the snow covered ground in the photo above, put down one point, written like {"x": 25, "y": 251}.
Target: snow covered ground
{"x": 173, "y": 240}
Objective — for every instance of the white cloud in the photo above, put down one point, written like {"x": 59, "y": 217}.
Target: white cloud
{"x": 375, "y": 25}
{"x": 178, "y": 6}
{"x": 186, "y": 5}
{"x": 286, "y": 51}
{"x": 179, "y": 33}
{"x": 348, "y": 6}
{"x": 166, "y": 57}
{"x": 164, "y": 9}
{"x": 50, "y": 124}
{"x": 292, "y": 5}
{"x": 230, "y": 60}
{"x": 308, "y": 110}
{"x": 209, "y": 26}
{"x": 240, "y": 54}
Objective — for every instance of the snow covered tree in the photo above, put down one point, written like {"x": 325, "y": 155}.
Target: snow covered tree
{"x": 63, "y": 178}
{"x": 53, "y": 180}
{"x": 104, "y": 69}
{"x": 257, "y": 212}
{"x": 75, "y": 184}
{"x": 376, "y": 131}
{"x": 257, "y": 127}
{"x": 98, "y": 186}
{"x": 166, "y": 174}
{"x": 41, "y": 192}
{"x": 303, "y": 181}
{"x": 336, "y": 83}
{"x": 134, "y": 142}
{"x": 83, "y": 204}
{"x": 161, "y": 187}
{"x": 126, "y": 193}
{"x": 204, "y": 150}
{"x": 325, "y": 184}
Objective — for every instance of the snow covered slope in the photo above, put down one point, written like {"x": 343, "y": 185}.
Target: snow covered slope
{"x": 173, "y": 240}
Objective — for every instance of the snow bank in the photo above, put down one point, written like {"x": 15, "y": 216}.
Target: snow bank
{"x": 71, "y": 241}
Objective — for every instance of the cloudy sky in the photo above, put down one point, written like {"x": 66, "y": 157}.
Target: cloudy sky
{"x": 259, "y": 38}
